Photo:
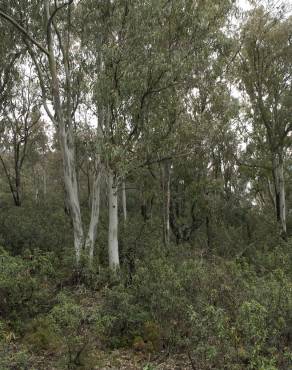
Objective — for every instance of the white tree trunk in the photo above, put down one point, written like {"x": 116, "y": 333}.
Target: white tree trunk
{"x": 124, "y": 199}
{"x": 66, "y": 138}
{"x": 95, "y": 205}
{"x": 71, "y": 186}
{"x": 113, "y": 244}
{"x": 62, "y": 116}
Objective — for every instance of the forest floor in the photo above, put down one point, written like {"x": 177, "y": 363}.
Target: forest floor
{"x": 122, "y": 360}
{"x": 130, "y": 360}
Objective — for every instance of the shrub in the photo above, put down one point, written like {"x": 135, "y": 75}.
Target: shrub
{"x": 41, "y": 335}
{"x": 123, "y": 317}
{"x": 77, "y": 326}
{"x": 226, "y": 314}
{"x": 24, "y": 286}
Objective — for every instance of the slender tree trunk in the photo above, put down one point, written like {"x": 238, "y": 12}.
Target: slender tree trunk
{"x": 113, "y": 245}
{"x": 10, "y": 180}
{"x": 166, "y": 202}
{"x": 124, "y": 200}
{"x": 278, "y": 172}
{"x": 66, "y": 138}
{"x": 17, "y": 186}
{"x": 95, "y": 206}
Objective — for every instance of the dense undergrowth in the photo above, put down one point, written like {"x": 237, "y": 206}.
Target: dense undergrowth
{"x": 223, "y": 313}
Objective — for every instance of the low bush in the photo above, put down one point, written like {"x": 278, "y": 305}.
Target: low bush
{"x": 24, "y": 285}
{"x": 224, "y": 314}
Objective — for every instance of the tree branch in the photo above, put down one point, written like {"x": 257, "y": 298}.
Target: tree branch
{"x": 24, "y": 31}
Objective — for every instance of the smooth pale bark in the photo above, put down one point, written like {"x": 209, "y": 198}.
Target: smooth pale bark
{"x": 278, "y": 172}
{"x": 95, "y": 206}
{"x": 113, "y": 244}
{"x": 71, "y": 186}
{"x": 124, "y": 200}
{"x": 66, "y": 138}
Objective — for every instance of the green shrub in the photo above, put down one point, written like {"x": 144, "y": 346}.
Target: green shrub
{"x": 225, "y": 314}
{"x": 78, "y": 327}
{"x": 28, "y": 227}
{"x": 211, "y": 338}
{"x": 24, "y": 284}
{"x": 41, "y": 335}
{"x": 123, "y": 317}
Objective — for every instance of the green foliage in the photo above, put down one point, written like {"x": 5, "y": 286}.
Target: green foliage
{"x": 211, "y": 336}
{"x": 77, "y": 326}
{"x": 40, "y": 335}
{"x": 123, "y": 318}
{"x": 223, "y": 313}
{"x": 31, "y": 228}
{"x": 24, "y": 285}
{"x": 11, "y": 359}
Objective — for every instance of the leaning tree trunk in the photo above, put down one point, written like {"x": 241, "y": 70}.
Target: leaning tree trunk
{"x": 278, "y": 173}
{"x": 113, "y": 245}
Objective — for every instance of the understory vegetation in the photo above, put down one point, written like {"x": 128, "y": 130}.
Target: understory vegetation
{"x": 221, "y": 310}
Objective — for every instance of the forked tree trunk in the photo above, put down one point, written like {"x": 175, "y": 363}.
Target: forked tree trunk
{"x": 113, "y": 244}
{"x": 66, "y": 138}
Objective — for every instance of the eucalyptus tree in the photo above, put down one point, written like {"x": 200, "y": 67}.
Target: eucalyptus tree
{"x": 147, "y": 56}
{"x": 265, "y": 75}
{"x": 46, "y": 29}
